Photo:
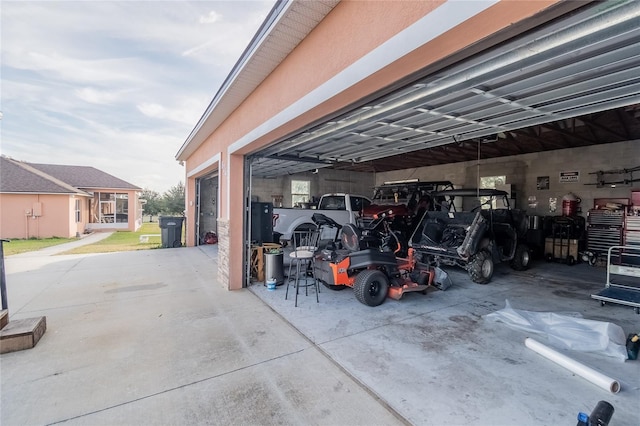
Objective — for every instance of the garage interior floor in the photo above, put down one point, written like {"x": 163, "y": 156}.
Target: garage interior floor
{"x": 436, "y": 360}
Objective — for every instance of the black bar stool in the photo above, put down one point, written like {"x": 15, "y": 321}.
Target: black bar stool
{"x": 305, "y": 244}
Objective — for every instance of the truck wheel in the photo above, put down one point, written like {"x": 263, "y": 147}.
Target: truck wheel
{"x": 521, "y": 258}
{"x": 371, "y": 287}
{"x": 480, "y": 267}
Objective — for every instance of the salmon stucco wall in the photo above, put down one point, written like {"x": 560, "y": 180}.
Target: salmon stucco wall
{"x": 36, "y": 216}
{"x": 346, "y": 35}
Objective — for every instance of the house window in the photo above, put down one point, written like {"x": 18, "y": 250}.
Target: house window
{"x": 300, "y": 191}
{"x": 112, "y": 207}
{"x": 490, "y": 182}
{"x": 78, "y": 212}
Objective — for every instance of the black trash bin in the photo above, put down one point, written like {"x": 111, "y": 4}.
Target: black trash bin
{"x": 171, "y": 230}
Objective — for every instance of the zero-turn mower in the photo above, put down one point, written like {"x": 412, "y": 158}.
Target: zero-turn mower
{"x": 364, "y": 260}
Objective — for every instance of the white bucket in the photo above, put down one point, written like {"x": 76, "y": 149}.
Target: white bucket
{"x": 271, "y": 284}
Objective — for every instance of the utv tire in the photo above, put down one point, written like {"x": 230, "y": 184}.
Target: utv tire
{"x": 371, "y": 287}
{"x": 480, "y": 267}
{"x": 521, "y": 258}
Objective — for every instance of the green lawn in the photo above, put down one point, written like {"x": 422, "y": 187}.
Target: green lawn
{"x": 118, "y": 241}
{"x": 22, "y": 246}
{"x": 123, "y": 241}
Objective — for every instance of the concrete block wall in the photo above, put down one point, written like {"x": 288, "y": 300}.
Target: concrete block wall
{"x": 324, "y": 182}
{"x": 523, "y": 171}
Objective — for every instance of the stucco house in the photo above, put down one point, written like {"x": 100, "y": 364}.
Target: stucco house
{"x": 51, "y": 200}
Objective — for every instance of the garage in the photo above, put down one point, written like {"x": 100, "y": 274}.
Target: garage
{"x": 531, "y": 111}
{"x": 562, "y": 77}
{"x": 540, "y": 97}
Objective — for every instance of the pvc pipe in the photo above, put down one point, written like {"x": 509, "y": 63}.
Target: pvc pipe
{"x": 581, "y": 370}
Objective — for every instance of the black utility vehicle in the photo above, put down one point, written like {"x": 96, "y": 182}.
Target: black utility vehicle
{"x": 491, "y": 232}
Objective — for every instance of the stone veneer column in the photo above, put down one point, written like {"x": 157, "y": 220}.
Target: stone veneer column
{"x": 223, "y": 252}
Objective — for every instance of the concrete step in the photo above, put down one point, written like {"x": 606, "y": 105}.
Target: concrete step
{"x": 22, "y": 334}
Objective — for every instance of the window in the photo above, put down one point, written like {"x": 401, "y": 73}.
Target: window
{"x": 490, "y": 182}
{"x": 358, "y": 203}
{"x": 78, "y": 212}
{"x": 300, "y": 192}
{"x": 111, "y": 208}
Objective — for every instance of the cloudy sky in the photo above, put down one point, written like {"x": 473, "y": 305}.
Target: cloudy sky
{"x": 115, "y": 85}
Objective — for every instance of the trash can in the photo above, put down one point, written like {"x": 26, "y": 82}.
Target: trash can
{"x": 171, "y": 231}
{"x": 274, "y": 265}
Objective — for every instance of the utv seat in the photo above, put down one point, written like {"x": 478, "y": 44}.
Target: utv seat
{"x": 433, "y": 230}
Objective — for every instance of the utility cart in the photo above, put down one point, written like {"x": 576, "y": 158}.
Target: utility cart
{"x": 623, "y": 278}
{"x": 565, "y": 242}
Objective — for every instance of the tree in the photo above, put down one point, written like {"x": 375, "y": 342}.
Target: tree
{"x": 173, "y": 200}
{"x": 153, "y": 206}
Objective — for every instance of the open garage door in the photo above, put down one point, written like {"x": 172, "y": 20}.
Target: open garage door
{"x": 552, "y": 81}
{"x": 207, "y": 193}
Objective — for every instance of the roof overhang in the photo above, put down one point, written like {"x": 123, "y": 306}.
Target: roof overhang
{"x": 288, "y": 23}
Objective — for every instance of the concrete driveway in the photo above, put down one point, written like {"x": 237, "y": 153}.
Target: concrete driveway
{"x": 150, "y": 338}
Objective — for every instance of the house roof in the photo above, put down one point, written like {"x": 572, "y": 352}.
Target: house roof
{"x": 21, "y": 177}
{"x": 84, "y": 177}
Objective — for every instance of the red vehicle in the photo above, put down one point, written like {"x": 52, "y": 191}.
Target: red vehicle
{"x": 403, "y": 202}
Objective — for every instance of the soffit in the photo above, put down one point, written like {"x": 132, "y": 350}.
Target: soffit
{"x": 579, "y": 66}
{"x": 288, "y": 23}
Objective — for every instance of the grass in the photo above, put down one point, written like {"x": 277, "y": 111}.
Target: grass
{"x": 123, "y": 241}
{"x": 23, "y": 246}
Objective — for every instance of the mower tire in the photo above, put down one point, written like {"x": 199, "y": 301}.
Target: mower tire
{"x": 371, "y": 287}
{"x": 480, "y": 267}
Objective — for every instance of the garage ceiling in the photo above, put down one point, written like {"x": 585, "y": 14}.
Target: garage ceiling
{"x": 572, "y": 83}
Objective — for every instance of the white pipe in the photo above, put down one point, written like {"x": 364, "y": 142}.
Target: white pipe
{"x": 581, "y": 370}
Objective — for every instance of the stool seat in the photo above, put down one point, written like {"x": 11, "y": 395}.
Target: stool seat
{"x": 301, "y": 254}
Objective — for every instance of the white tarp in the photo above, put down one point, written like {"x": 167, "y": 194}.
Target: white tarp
{"x": 567, "y": 330}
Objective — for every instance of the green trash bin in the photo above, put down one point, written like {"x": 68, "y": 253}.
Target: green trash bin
{"x": 171, "y": 230}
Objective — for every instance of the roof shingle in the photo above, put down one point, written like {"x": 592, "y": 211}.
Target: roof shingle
{"x": 17, "y": 176}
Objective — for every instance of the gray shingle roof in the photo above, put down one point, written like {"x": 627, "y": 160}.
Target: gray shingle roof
{"x": 84, "y": 176}
{"x": 17, "y": 176}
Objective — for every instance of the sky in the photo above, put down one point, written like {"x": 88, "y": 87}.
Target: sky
{"x": 117, "y": 85}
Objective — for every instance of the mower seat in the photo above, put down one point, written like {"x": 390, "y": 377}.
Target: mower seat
{"x": 351, "y": 237}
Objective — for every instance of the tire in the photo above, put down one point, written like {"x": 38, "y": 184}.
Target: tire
{"x": 371, "y": 287}
{"x": 571, "y": 260}
{"x": 480, "y": 267}
{"x": 334, "y": 287}
{"x": 521, "y": 258}
{"x": 177, "y": 244}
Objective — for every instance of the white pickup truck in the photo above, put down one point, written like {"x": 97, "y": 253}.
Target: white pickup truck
{"x": 343, "y": 208}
